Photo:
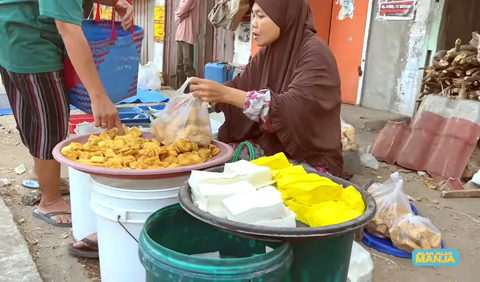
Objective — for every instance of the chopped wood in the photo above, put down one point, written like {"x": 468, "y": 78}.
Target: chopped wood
{"x": 454, "y": 73}
{"x": 471, "y": 193}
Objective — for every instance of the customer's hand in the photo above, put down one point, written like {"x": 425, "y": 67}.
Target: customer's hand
{"x": 125, "y": 10}
{"x": 207, "y": 90}
{"x": 105, "y": 113}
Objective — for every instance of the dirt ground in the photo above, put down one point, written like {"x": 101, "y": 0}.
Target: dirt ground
{"x": 457, "y": 219}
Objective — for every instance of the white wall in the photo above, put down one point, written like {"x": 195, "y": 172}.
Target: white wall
{"x": 395, "y": 53}
{"x": 242, "y": 49}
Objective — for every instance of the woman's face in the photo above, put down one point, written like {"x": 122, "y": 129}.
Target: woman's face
{"x": 265, "y": 31}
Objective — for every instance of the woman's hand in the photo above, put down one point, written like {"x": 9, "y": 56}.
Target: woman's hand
{"x": 125, "y": 10}
{"x": 207, "y": 90}
{"x": 213, "y": 92}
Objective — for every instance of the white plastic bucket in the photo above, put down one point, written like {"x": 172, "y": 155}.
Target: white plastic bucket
{"x": 127, "y": 203}
{"x": 83, "y": 218}
{"x": 215, "y": 127}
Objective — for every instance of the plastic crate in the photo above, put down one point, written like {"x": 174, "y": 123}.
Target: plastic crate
{"x": 129, "y": 118}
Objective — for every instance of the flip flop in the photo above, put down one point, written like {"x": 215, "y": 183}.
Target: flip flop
{"x": 47, "y": 217}
{"x": 33, "y": 184}
{"x": 89, "y": 252}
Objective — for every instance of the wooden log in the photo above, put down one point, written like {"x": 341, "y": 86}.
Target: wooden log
{"x": 452, "y": 53}
{"x": 472, "y": 71}
{"x": 470, "y": 193}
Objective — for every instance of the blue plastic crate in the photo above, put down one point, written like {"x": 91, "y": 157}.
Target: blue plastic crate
{"x": 152, "y": 108}
{"x": 129, "y": 118}
{"x": 135, "y": 110}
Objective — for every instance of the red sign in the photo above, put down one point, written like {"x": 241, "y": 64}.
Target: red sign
{"x": 396, "y": 8}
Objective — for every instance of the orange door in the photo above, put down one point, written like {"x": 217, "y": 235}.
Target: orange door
{"x": 346, "y": 41}
{"x": 322, "y": 13}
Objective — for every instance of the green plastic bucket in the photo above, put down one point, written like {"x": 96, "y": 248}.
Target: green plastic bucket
{"x": 171, "y": 237}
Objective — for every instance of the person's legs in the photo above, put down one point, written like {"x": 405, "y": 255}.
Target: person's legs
{"x": 32, "y": 183}
{"x": 181, "y": 76}
{"x": 87, "y": 247}
{"x": 188, "y": 56}
{"x": 41, "y": 108}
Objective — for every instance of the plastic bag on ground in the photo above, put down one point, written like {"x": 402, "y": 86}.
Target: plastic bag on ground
{"x": 348, "y": 137}
{"x": 148, "y": 78}
{"x": 184, "y": 117}
{"x": 392, "y": 204}
{"x": 412, "y": 232}
{"x": 361, "y": 265}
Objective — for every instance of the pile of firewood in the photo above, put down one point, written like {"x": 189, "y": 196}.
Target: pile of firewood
{"x": 455, "y": 73}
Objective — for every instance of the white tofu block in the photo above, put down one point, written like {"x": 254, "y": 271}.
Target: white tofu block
{"x": 259, "y": 176}
{"x": 210, "y": 196}
{"x": 197, "y": 177}
{"x": 287, "y": 222}
{"x": 218, "y": 213}
{"x": 262, "y": 205}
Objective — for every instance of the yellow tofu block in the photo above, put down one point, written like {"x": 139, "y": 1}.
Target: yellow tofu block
{"x": 274, "y": 162}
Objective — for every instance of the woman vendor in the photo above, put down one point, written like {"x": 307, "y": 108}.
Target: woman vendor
{"x": 288, "y": 98}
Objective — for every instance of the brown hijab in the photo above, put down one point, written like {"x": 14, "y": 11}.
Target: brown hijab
{"x": 301, "y": 73}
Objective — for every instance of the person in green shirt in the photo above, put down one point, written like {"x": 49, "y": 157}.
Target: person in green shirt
{"x": 34, "y": 36}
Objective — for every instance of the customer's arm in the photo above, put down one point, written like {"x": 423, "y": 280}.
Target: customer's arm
{"x": 68, "y": 19}
{"x": 81, "y": 57}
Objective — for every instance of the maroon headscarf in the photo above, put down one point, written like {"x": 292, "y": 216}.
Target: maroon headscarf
{"x": 301, "y": 73}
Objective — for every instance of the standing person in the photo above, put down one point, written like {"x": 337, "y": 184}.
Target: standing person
{"x": 35, "y": 35}
{"x": 185, "y": 38}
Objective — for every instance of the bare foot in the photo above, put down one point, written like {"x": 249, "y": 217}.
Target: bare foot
{"x": 89, "y": 244}
{"x": 57, "y": 205}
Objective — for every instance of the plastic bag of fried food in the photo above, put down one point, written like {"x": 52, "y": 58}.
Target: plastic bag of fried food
{"x": 132, "y": 151}
{"x": 392, "y": 204}
{"x": 412, "y": 232}
{"x": 184, "y": 117}
{"x": 348, "y": 137}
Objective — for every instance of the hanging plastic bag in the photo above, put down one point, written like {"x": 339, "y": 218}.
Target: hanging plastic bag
{"x": 361, "y": 265}
{"x": 148, "y": 77}
{"x": 412, "y": 232}
{"x": 184, "y": 117}
{"x": 392, "y": 204}
{"x": 348, "y": 137}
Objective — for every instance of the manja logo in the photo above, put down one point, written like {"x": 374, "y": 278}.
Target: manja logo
{"x": 444, "y": 257}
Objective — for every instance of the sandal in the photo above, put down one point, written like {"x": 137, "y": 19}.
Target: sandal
{"x": 33, "y": 184}
{"x": 89, "y": 251}
{"x": 47, "y": 217}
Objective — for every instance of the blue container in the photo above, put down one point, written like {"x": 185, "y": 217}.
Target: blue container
{"x": 135, "y": 110}
{"x": 130, "y": 118}
{"x": 152, "y": 108}
{"x": 116, "y": 54}
{"x": 218, "y": 72}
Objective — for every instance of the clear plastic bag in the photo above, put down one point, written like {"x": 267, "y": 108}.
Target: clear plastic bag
{"x": 184, "y": 117}
{"x": 148, "y": 78}
{"x": 392, "y": 204}
{"x": 412, "y": 232}
{"x": 361, "y": 264}
{"x": 348, "y": 137}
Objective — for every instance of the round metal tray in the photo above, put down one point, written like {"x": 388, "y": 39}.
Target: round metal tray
{"x": 226, "y": 153}
{"x": 301, "y": 233}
